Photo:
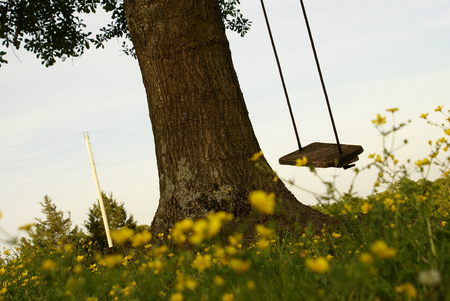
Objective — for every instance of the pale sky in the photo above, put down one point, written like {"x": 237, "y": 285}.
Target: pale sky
{"x": 375, "y": 55}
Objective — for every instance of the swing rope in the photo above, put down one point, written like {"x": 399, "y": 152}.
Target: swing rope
{"x": 281, "y": 76}
{"x": 318, "y": 68}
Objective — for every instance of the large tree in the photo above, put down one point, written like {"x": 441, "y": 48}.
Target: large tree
{"x": 202, "y": 131}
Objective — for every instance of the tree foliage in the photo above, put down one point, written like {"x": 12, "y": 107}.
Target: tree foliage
{"x": 54, "y": 29}
{"x": 53, "y": 231}
{"x": 117, "y": 218}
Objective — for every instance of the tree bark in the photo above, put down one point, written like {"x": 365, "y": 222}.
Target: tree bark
{"x": 202, "y": 131}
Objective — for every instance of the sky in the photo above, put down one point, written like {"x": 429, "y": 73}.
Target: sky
{"x": 374, "y": 55}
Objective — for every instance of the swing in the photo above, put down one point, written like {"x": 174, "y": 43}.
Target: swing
{"x": 317, "y": 154}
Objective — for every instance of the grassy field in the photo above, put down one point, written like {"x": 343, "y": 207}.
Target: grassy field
{"x": 391, "y": 245}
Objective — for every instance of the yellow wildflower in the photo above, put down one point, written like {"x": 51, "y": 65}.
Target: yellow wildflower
{"x": 250, "y": 284}
{"x": 256, "y": 156}
{"x": 263, "y": 231}
{"x": 336, "y": 235}
{"x": 380, "y": 120}
{"x": 381, "y": 249}
{"x": 49, "y": 265}
{"x": 177, "y": 297}
{"x": 378, "y": 159}
{"x": 438, "y": 109}
{"x": 301, "y": 162}
{"x": 366, "y": 207}
{"x": 228, "y": 297}
{"x": 79, "y": 258}
{"x": 264, "y": 202}
{"x": 319, "y": 265}
{"x": 392, "y": 110}
{"x": 371, "y": 156}
{"x": 121, "y": 236}
{"x": 201, "y": 262}
{"x": 26, "y": 227}
{"x": 179, "y": 230}
{"x": 408, "y": 289}
{"x": 447, "y": 131}
{"x": 141, "y": 239}
{"x": 366, "y": 258}
{"x": 235, "y": 239}
{"x": 239, "y": 266}
{"x": 444, "y": 223}
{"x": 329, "y": 257}
{"x": 113, "y": 260}
{"x": 424, "y": 115}
{"x": 218, "y": 280}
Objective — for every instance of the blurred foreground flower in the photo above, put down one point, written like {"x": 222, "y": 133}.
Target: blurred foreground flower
{"x": 121, "y": 236}
{"x": 319, "y": 265}
{"x": 429, "y": 277}
{"x": 265, "y": 203}
{"x": 381, "y": 249}
{"x": 408, "y": 289}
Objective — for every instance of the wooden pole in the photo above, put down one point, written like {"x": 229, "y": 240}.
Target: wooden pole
{"x": 99, "y": 192}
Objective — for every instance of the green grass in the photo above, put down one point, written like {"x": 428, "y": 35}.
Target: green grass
{"x": 392, "y": 245}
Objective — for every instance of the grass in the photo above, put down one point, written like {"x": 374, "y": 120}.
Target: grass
{"x": 392, "y": 245}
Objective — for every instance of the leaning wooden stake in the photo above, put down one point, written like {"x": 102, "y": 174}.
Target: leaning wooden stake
{"x": 100, "y": 198}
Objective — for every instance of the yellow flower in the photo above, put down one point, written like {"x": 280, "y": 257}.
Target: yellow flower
{"x": 141, "y": 239}
{"x": 380, "y": 120}
{"x": 177, "y": 297}
{"x": 447, "y": 131}
{"x": 79, "y": 258}
{"x": 319, "y": 265}
{"x": 77, "y": 269}
{"x": 371, "y": 156}
{"x": 301, "y": 162}
{"x": 262, "y": 243}
{"x": 250, "y": 284}
{"x": 239, "y": 266}
{"x": 179, "y": 230}
{"x": 424, "y": 116}
{"x": 121, "y": 236}
{"x": 235, "y": 239}
{"x": 329, "y": 257}
{"x": 381, "y": 249}
{"x": 91, "y": 299}
{"x": 408, "y": 289}
{"x": 160, "y": 250}
{"x": 444, "y": 223}
{"x": 366, "y": 258}
{"x": 378, "y": 159}
{"x": 388, "y": 202}
{"x": 201, "y": 262}
{"x": 49, "y": 265}
{"x": 216, "y": 220}
{"x": 263, "y": 231}
{"x": 336, "y": 235}
{"x": 26, "y": 227}
{"x": 113, "y": 260}
{"x": 264, "y": 202}
{"x": 256, "y": 156}
{"x": 438, "y": 109}
{"x": 228, "y": 297}
{"x": 392, "y": 110}
{"x": 366, "y": 207}
{"x": 218, "y": 280}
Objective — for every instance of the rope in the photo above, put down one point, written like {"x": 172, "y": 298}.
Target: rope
{"x": 321, "y": 77}
{"x": 281, "y": 76}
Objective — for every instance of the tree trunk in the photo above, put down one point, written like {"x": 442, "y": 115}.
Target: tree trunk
{"x": 202, "y": 131}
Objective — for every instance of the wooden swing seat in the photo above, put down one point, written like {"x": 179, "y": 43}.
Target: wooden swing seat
{"x": 324, "y": 155}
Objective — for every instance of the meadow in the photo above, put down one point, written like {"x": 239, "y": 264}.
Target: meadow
{"x": 391, "y": 245}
